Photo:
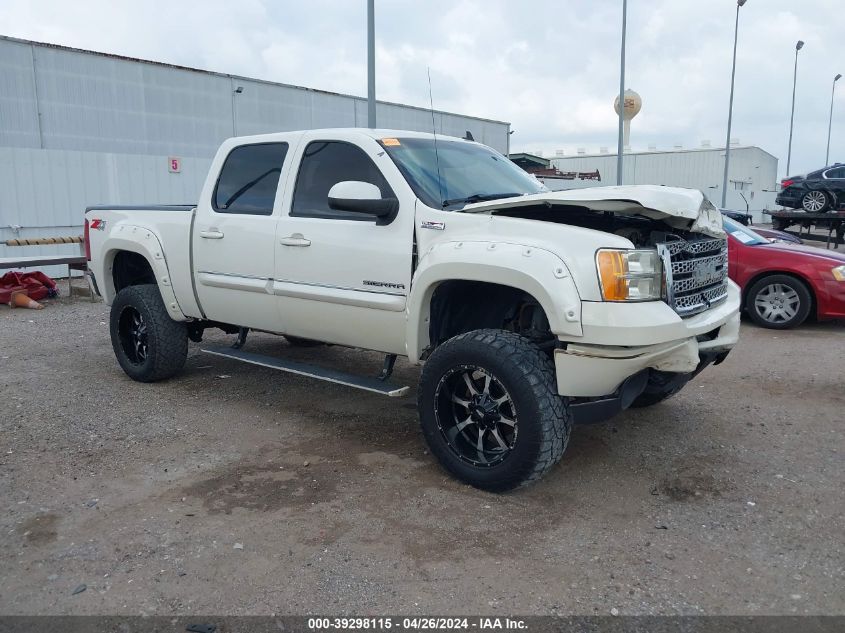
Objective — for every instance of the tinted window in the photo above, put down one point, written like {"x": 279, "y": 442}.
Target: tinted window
{"x": 326, "y": 163}
{"x": 249, "y": 179}
{"x": 839, "y": 172}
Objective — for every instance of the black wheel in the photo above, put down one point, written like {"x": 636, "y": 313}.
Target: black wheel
{"x": 490, "y": 410}
{"x": 778, "y": 302}
{"x": 295, "y": 341}
{"x": 148, "y": 344}
{"x": 815, "y": 202}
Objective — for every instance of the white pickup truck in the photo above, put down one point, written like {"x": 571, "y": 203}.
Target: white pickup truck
{"x": 531, "y": 310}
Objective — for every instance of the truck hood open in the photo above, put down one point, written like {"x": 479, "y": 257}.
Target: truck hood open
{"x": 687, "y": 209}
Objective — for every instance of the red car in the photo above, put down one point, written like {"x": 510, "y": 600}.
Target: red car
{"x": 782, "y": 284}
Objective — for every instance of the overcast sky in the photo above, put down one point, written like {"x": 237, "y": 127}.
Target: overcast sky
{"x": 551, "y": 69}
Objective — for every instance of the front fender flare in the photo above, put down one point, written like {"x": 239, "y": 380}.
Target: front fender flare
{"x": 536, "y": 271}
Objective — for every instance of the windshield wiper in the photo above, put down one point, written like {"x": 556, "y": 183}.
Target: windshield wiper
{"x": 480, "y": 197}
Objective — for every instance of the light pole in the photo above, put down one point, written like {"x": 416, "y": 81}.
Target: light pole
{"x": 830, "y": 124}
{"x": 798, "y": 47}
{"x": 620, "y": 145}
{"x": 371, "y": 63}
{"x": 739, "y": 3}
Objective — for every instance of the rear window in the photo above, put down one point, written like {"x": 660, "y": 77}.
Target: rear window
{"x": 249, "y": 179}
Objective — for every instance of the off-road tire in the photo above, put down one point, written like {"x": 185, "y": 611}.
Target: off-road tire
{"x": 798, "y": 286}
{"x": 543, "y": 421}
{"x": 166, "y": 339}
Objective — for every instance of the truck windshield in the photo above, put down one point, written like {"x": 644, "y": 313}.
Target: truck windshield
{"x": 468, "y": 172}
{"x": 742, "y": 233}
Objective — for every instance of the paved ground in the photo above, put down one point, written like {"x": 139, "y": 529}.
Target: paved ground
{"x": 235, "y": 489}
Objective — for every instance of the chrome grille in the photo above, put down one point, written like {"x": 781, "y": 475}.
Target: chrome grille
{"x": 696, "y": 273}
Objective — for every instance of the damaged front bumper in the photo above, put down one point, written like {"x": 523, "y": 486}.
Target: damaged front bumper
{"x": 604, "y": 372}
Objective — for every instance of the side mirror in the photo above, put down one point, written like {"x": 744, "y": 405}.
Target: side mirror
{"x": 361, "y": 197}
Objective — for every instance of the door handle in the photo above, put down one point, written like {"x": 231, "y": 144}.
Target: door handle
{"x": 297, "y": 239}
{"x": 212, "y": 234}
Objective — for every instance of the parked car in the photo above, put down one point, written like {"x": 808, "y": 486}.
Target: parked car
{"x": 782, "y": 284}
{"x": 817, "y": 192}
{"x": 773, "y": 235}
{"x": 531, "y": 309}
{"x": 740, "y": 216}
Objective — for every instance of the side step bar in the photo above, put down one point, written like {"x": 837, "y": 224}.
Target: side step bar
{"x": 312, "y": 371}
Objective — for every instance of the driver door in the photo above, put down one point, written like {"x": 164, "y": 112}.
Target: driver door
{"x": 343, "y": 277}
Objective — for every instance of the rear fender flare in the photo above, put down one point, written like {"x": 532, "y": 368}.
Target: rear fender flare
{"x": 140, "y": 240}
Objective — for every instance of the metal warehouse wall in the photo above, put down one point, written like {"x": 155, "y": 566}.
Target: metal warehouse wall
{"x": 80, "y": 128}
{"x": 753, "y": 173}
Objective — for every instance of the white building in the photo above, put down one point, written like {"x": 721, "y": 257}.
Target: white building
{"x": 752, "y": 181}
{"x": 79, "y": 128}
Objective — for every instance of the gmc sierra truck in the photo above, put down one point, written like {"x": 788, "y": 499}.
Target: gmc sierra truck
{"x": 529, "y": 310}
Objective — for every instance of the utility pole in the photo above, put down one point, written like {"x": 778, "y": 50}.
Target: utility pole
{"x": 739, "y": 4}
{"x": 620, "y": 146}
{"x": 371, "y": 63}
{"x": 798, "y": 47}
{"x": 830, "y": 124}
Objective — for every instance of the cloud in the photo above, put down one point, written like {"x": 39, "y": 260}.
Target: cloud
{"x": 550, "y": 69}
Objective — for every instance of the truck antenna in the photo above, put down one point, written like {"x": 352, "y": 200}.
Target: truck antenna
{"x": 434, "y": 133}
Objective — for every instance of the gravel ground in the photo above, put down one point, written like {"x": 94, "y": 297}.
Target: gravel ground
{"x": 234, "y": 489}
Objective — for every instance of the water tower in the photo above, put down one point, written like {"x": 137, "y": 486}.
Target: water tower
{"x": 633, "y": 105}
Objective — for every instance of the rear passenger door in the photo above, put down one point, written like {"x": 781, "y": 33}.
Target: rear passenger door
{"x": 234, "y": 238}
{"x": 343, "y": 277}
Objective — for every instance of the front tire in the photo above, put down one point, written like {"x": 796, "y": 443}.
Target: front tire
{"x": 148, "y": 344}
{"x": 490, "y": 411}
{"x": 778, "y": 302}
{"x": 815, "y": 202}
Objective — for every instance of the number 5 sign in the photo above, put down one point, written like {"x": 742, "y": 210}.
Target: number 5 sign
{"x": 174, "y": 165}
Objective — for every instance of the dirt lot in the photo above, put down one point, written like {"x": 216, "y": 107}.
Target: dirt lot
{"x": 237, "y": 489}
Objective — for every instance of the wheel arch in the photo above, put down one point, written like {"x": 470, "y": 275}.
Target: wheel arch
{"x": 539, "y": 276}
{"x": 127, "y": 262}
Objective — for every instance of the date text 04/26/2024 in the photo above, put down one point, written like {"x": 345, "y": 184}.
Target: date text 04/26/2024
{"x": 416, "y": 623}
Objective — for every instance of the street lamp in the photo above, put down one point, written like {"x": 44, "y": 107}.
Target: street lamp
{"x": 739, "y": 3}
{"x": 620, "y": 144}
{"x": 798, "y": 47}
{"x": 830, "y": 124}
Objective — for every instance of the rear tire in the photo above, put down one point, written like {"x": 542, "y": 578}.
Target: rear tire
{"x": 490, "y": 411}
{"x": 815, "y": 201}
{"x": 778, "y": 302}
{"x": 148, "y": 344}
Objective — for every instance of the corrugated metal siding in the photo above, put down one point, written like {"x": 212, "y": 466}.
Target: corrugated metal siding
{"x": 45, "y": 192}
{"x": 80, "y": 128}
{"x": 697, "y": 169}
{"x": 102, "y": 103}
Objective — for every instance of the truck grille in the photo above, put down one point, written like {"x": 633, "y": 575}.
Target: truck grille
{"x": 696, "y": 274}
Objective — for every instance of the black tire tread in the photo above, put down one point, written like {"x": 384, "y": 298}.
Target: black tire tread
{"x": 554, "y": 418}
{"x": 169, "y": 338}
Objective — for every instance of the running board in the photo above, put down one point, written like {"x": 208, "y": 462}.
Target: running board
{"x": 312, "y": 371}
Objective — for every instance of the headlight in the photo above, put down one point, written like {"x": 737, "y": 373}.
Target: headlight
{"x": 839, "y": 273}
{"x": 630, "y": 275}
